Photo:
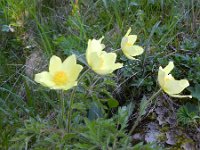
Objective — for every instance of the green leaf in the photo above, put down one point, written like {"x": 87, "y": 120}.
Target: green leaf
{"x": 28, "y": 95}
{"x": 143, "y": 105}
{"x": 79, "y": 106}
{"x": 94, "y": 111}
{"x": 5, "y": 28}
{"x": 112, "y": 103}
{"x": 187, "y": 114}
{"x": 195, "y": 91}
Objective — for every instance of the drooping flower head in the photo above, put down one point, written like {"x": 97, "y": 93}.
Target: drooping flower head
{"x": 100, "y": 61}
{"x": 127, "y": 45}
{"x": 61, "y": 75}
{"x": 170, "y": 85}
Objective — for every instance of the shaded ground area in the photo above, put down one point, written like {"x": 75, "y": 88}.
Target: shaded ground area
{"x": 161, "y": 126}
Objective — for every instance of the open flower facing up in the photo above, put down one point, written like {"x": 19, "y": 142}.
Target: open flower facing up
{"x": 127, "y": 46}
{"x": 100, "y": 61}
{"x": 169, "y": 84}
{"x": 61, "y": 75}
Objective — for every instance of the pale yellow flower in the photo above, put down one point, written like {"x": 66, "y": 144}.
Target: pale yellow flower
{"x": 127, "y": 46}
{"x": 171, "y": 86}
{"x": 61, "y": 75}
{"x": 100, "y": 61}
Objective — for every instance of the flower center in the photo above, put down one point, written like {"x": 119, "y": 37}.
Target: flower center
{"x": 167, "y": 78}
{"x": 60, "y": 78}
{"x": 128, "y": 44}
{"x": 101, "y": 64}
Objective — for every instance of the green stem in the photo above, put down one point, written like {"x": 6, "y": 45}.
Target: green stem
{"x": 116, "y": 50}
{"x": 70, "y": 110}
{"x": 155, "y": 94}
{"x": 71, "y": 103}
{"x": 139, "y": 118}
{"x": 62, "y": 106}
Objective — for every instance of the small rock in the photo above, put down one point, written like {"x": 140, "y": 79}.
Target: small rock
{"x": 171, "y": 139}
{"x": 34, "y": 63}
{"x": 172, "y": 121}
{"x": 151, "y": 136}
{"x": 138, "y": 136}
{"x": 161, "y": 110}
{"x": 161, "y": 119}
{"x": 152, "y": 132}
{"x": 188, "y": 146}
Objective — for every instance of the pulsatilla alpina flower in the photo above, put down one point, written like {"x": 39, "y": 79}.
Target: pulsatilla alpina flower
{"x": 100, "y": 61}
{"x": 61, "y": 75}
{"x": 169, "y": 84}
{"x": 127, "y": 46}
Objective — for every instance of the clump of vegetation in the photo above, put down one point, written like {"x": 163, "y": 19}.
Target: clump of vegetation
{"x": 100, "y": 96}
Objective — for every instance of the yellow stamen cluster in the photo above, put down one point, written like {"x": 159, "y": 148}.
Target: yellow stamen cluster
{"x": 60, "y": 78}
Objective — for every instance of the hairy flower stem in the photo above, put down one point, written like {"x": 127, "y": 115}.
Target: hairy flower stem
{"x": 139, "y": 118}
{"x": 116, "y": 50}
{"x": 70, "y": 110}
{"x": 71, "y": 103}
{"x": 62, "y": 105}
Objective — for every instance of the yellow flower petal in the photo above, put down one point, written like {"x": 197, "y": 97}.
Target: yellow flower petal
{"x": 133, "y": 51}
{"x": 70, "y": 85}
{"x": 162, "y": 73}
{"x": 169, "y": 67}
{"x": 132, "y": 39}
{"x": 71, "y": 60}
{"x": 117, "y": 66}
{"x": 181, "y": 96}
{"x": 109, "y": 59}
{"x": 124, "y": 42}
{"x": 173, "y": 86}
{"x": 94, "y": 46}
{"x": 55, "y": 64}
{"x": 107, "y": 63}
{"x": 71, "y": 68}
{"x": 161, "y": 77}
{"x": 67, "y": 86}
{"x": 96, "y": 61}
{"x": 69, "y": 64}
{"x": 129, "y": 56}
{"x": 128, "y": 32}
{"x": 104, "y": 63}
{"x": 44, "y": 78}
{"x": 75, "y": 72}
